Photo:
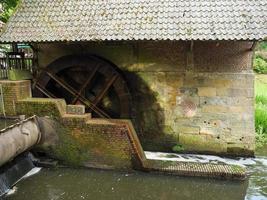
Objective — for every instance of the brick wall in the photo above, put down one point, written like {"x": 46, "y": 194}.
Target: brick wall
{"x": 81, "y": 141}
{"x": 13, "y": 91}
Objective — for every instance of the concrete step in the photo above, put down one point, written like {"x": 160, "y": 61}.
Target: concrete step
{"x": 85, "y": 116}
{"x": 75, "y": 109}
{"x": 208, "y": 170}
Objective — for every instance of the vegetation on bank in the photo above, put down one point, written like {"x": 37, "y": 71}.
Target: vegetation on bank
{"x": 261, "y": 109}
{"x": 260, "y": 60}
{"x": 260, "y": 64}
{"x": 7, "y": 7}
{"x": 260, "y": 67}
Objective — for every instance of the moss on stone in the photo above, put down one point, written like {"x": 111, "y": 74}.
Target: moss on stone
{"x": 39, "y": 107}
{"x": 239, "y": 151}
{"x": 178, "y": 148}
{"x": 238, "y": 169}
{"x": 194, "y": 142}
{"x": 80, "y": 143}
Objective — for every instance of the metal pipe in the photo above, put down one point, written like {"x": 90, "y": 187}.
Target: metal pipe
{"x": 2, "y": 100}
{"x": 18, "y": 138}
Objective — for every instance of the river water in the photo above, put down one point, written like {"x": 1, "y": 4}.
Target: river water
{"x": 72, "y": 184}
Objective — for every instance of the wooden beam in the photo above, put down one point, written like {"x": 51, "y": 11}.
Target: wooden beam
{"x": 106, "y": 88}
{"x": 252, "y": 48}
{"x": 72, "y": 91}
{"x": 45, "y": 91}
{"x": 87, "y": 82}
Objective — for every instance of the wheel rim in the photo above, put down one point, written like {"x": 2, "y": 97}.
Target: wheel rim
{"x": 83, "y": 79}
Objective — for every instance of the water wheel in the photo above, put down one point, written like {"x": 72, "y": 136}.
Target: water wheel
{"x": 86, "y": 80}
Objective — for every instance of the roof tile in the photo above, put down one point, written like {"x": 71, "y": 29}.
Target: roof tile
{"x": 75, "y": 20}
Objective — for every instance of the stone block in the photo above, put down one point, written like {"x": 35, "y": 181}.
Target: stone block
{"x": 189, "y": 129}
{"x": 240, "y": 137}
{"x": 224, "y": 100}
{"x": 223, "y": 109}
{"x": 221, "y": 83}
{"x": 202, "y": 143}
{"x": 235, "y": 92}
{"x": 210, "y": 131}
{"x": 76, "y": 109}
{"x": 240, "y": 149}
{"x": 190, "y": 91}
{"x": 237, "y": 109}
{"x": 206, "y": 92}
{"x": 214, "y": 109}
{"x": 223, "y": 92}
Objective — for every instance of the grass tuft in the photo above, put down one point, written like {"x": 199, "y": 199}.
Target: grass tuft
{"x": 261, "y": 110}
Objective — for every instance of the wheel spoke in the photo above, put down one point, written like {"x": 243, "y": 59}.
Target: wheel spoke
{"x": 72, "y": 91}
{"x": 106, "y": 88}
{"x": 44, "y": 91}
{"x": 87, "y": 82}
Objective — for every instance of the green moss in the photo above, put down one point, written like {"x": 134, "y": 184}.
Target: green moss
{"x": 238, "y": 169}
{"x": 200, "y": 143}
{"x": 40, "y": 107}
{"x": 168, "y": 130}
{"x": 18, "y": 74}
{"x": 83, "y": 144}
{"x": 178, "y": 148}
{"x": 239, "y": 151}
{"x": 80, "y": 143}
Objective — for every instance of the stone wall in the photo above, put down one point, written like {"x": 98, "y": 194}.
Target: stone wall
{"x": 78, "y": 140}
{"x": 199, "y": 96}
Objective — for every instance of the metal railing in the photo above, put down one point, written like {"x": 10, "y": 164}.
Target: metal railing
{"x": 14, "y": 60}
{"x": 3, "y": 68}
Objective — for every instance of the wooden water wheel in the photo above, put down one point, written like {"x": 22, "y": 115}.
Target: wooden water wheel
{"x": 86, "y": 80}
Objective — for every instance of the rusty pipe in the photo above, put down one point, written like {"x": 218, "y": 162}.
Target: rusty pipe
{"x": 18, "y": 138}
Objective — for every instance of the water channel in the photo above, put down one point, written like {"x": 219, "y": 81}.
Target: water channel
{"x": 72, "y": 184}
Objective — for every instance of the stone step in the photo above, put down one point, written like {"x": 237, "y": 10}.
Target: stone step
{"x": 75, "y": 109}
{"x": 85, "y": 116}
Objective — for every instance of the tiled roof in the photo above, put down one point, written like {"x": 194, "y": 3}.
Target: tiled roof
{"x": 96, "y": 20}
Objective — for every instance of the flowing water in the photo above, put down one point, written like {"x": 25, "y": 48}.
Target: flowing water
{"x": 72, "y": 184}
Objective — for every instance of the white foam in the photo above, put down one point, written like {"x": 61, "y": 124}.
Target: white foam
{"x": 263, "y": 161}
{"x": 32, "y": 172}
{"x": 203, "y": 158}
{"x": 11, "y": 191}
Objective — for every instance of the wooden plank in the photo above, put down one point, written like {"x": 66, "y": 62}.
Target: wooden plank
{"x": 106, "y": 88}
{"x": 45, "y": 91}
{"x": 72, "y": 91}
{"x": 87, "y": 82}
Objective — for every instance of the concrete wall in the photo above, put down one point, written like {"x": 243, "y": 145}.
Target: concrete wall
{"x": 200, "y": 96}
